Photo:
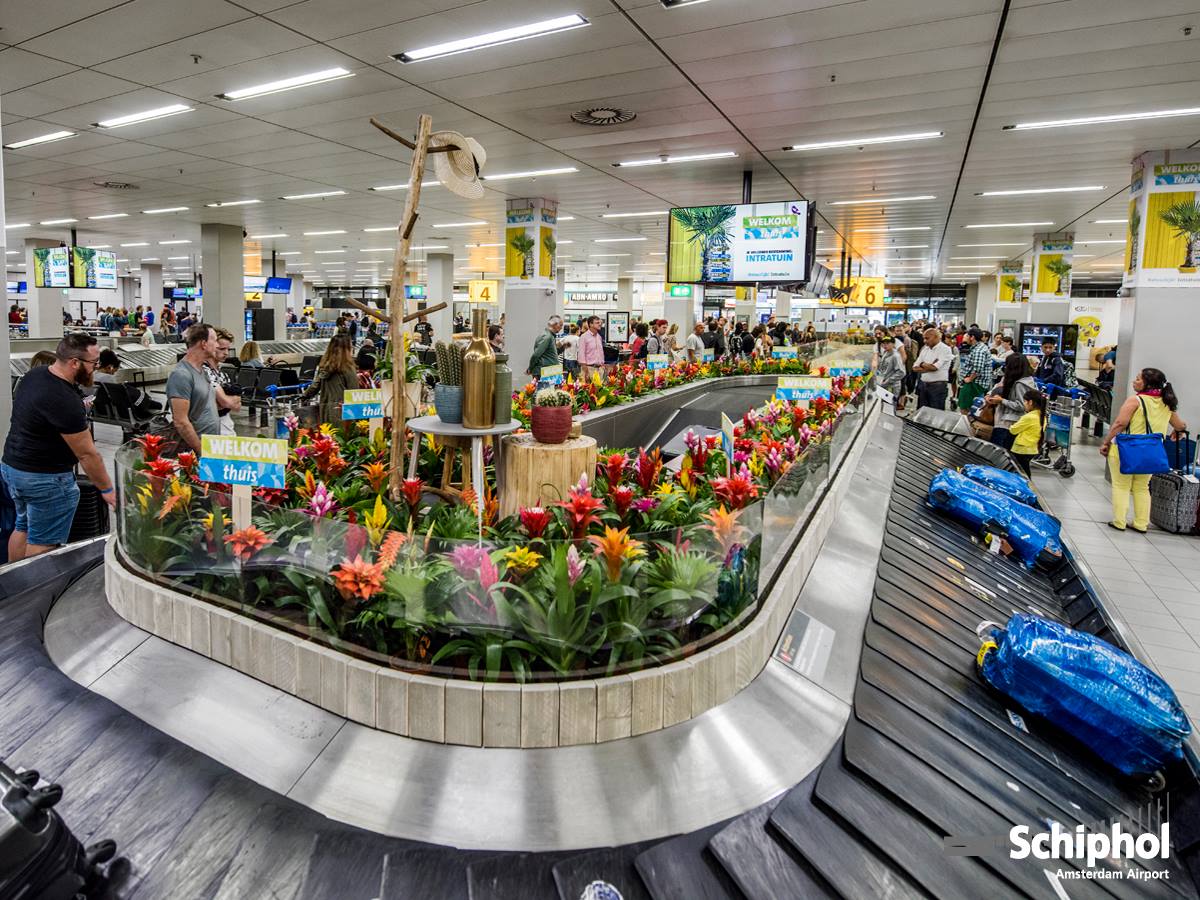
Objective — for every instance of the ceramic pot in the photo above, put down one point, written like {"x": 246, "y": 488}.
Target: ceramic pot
{"x": 448, "y": 398}
{"x": 479, "y": 376}
{"x": 550, "y": 424}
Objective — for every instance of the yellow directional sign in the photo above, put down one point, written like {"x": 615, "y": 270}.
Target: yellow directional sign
{"x": 864, "y": 291}
{"x": 483, "y": 291}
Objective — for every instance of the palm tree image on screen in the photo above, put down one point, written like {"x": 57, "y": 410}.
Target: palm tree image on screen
{"x": 1184, "y": 220}
{"x": 1014, "y": 287}
{"x": 551, "y": 246}
{"x": 524, "y": 245}
{"x": 1060, "y": 269}
{"x": 707, "y": 225}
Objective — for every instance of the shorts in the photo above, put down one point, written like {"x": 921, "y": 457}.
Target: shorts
{"x": 45, "y": 504}
{"x": 968, "y": 393}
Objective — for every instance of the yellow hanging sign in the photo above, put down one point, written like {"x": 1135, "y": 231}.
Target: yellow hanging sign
{"x": 864, "y": 291}
{"x": 483, "y": 291}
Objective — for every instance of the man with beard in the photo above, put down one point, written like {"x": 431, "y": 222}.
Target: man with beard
{"x": 47, "y": 436}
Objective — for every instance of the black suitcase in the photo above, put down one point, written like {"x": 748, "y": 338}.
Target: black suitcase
{"x": 1175, "y": 495}
{"x": 40, "y": 859}
{"x": 91, "y": 515}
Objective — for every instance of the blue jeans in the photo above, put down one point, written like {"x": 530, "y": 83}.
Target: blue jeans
{"x": 45, "y": 504}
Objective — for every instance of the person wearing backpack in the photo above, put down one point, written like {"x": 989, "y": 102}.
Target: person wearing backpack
{"x": 1152, "y": 409}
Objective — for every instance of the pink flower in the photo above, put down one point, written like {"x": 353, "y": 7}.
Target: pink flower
{"x": 474, "y": 564}
{"x": 645, "y": 504}
{"x": 291, "y": 423}
{"x": 322, "y": 502}
{"x": 574, "y": 565}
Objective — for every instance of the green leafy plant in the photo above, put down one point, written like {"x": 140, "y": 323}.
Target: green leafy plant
{"x": 1060, "y": 269}
{"x": 707, "y": 224}
{"x": 524, "y": 245}
{"x": 1013, "y": 284}
{"x": 1184, "y": 219}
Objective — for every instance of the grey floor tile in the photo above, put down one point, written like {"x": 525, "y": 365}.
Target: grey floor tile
{"x": 1159, "y": 621}
{"x": 1174, "y": 638}
{"x": 1175, "y": 658}
{"x": 1131, "y": 604}
{"x": 1180, "y": 679}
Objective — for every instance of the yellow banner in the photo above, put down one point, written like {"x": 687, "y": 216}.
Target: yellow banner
{"x": 244, "y": 449}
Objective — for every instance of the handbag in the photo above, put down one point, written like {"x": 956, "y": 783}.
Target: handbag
{"x": 1142, "y": 454}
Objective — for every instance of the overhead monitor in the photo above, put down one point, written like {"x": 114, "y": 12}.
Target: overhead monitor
{"x": 52, "y": 267}
{"x": 16, "y": 287}
{"x": 279, "y": 285}
{"x": 254, "y": 284}
{"x": 755, "y": 243}
{"x": 93, "y": 268}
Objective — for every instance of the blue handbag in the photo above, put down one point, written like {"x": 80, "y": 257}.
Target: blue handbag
{"x": 1142, "y": 454}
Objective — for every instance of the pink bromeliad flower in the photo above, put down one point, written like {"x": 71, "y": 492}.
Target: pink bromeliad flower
{"x": 574, "y": 565}
{"x": 474, "y": 564}
{"x": 322, "y": 502}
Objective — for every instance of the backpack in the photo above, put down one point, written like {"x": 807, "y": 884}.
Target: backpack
{"x": 747, "y": 343}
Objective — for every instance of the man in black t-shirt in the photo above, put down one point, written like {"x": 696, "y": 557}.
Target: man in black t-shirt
{"x": 47, "y": 436}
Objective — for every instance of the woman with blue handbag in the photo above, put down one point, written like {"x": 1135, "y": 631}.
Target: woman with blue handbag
{"x": 1134, "y": 446}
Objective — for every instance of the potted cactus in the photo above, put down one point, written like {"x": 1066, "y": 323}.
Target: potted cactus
{"x": 524, "y": 245}
{"x": 1060, "y": 269}
{"x": 1184, "y": 219}
{"x": 550, "y": 416}
{"x": 448, "y": 392}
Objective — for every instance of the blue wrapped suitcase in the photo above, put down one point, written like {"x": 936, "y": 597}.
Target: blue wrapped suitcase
{"x": 1094, "y": 691}
{"x": 1011, "y": 484}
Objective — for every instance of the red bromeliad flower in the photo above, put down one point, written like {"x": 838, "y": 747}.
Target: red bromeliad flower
{"x": 622, "y": 497}
{"x": 413, "y": 489}
{"x": 535, "y": 520}
{"x": 613, "y": 468}
{"x": 160, "y": 468}
{"x": 736, "y": 491}
{"x": 358, "y": 579}
{"x": 187, "y": 461}
{"x": 649, "y": 465}
{"x": 245, "y": 543}
{"x": 581, "y": 511}
{"x": 272, "y": 496}
{"x": 151, "y": 445}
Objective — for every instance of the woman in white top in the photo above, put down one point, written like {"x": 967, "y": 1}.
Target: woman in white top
{"x": 762, "y": 342}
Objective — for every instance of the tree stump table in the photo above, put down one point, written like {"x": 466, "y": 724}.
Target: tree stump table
{"x": 537, "y": 474}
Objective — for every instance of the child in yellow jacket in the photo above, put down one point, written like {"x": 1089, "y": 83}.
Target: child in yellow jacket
{"x": 1027, "y": 430}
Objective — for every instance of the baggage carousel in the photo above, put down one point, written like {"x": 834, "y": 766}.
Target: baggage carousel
{"x": 910, "y": 772}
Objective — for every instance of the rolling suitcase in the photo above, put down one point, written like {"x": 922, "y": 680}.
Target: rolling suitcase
{"x": 1175, "y": 495}
{"x": 91, "y": 515}
{"x": 39, "y": 856}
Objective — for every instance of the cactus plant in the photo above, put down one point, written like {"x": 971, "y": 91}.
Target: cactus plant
{"x": 449, "y": 363}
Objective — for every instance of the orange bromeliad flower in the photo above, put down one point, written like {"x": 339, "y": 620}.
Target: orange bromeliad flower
{"x": 616, "y": 547}
{"x": 390, "y": 549}
{"x": 376, "y": 474}
{"x": 723, "y": 523}
{"x": 358, "y": 578}
{"x": 247, "y": 542}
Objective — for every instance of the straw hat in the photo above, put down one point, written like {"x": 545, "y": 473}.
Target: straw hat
{"x": 459, "y": 169}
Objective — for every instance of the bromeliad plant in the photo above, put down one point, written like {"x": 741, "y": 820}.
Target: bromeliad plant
{"x": 635, "y": 565}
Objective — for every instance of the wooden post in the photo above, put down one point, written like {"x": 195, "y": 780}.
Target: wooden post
{"x": 399, "y": 304}
{"x": 242, "y": 495}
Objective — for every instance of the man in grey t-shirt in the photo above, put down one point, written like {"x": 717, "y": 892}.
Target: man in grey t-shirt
{"x": 191, "y": 395}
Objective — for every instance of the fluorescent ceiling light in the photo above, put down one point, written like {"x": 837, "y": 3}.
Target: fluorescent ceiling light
{"x": 165, "y": 209}
{"x": 1051, "y": 190}
{"x": 108, "y": 216}
{"x": 263, "y": 237}
{"x": 402, "y": 187}
{"x": 1101, "y": 120}
{"x": 40, "y": 139}
{"x": 1008, "y": 244}
{"x": 863, "y": 142}
{"x": 137, "y": 244}
{"x": 178, "y": 257}
{"x": 57, "y": 221}
{"x": 160, "y": 112}
{"x": 1009, "y": 225}
{"x": 610, "y": 254}
{"x": 890, "y": 229}
{"x": 174, "y": 241}
{"x": 1121, "y": 241}
{"x": 566, "y": 218}
{"x": 312, "y": 196}
{"x": 289, "y": 253}
{"x": 634, "y": 215}
{"x": 233, "y": 203}
{"x": 874, "y": 200}
{"x": 560, "y": 243}
{"x": 618, "y": 240}
{"x": 375, "y": 249}
{"x": 100, "y": 246}
{"x": 667, "y": 160}
{"x": 455, "y": 224}
{"x": 330, "y": 231}
{"x": 328, "y": 251}
{"x": 381, "y": 228}
{"x": 287, "y": 84}
{"x": 493, "y": 38}
{"x": 565, "y": 170}
{"x": 16, "y": 225}
{"x": 657, "y": 253}
{"x": 1108, "y": 222}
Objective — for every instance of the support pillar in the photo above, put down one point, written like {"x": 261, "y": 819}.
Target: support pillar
{"x": 440, "y": 289}
{"x": 1161, "y": 280}
{"x": 221, "y": 265}
{"x": 987, "y": 293}
{"x": 295, "y": 301}
{"x": 625, "y": 294}
{"x": 783, "y": 305}
{"x": 152, "y": 288}
{"x": 44, "y": 305}
{"x": 681, "y": 311}
{"x": 527, "y": 311}
{"x": 1050, "y": 294}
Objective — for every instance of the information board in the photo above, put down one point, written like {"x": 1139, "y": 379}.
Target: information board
{"x": 802, "y": 388}
{"x": 252, "y": 462}
{"x": 362, "y": 404}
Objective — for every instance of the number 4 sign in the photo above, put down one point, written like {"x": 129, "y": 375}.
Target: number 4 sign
{"x": 483, "y": 291}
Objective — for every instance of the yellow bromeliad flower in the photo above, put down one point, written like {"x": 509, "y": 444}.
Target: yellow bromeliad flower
{"x": 686, "y": 479}
{"x": 756, "y": 465}
{"x": 666, "y": 489}
{"x": 522, "y": 560}
{"x": 327, "y": 429}
{"x": 376, "y": 522}
{"x": 615, "y": 547}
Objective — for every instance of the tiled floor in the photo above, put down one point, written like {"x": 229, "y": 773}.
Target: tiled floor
{"x": 1152, "y": 580}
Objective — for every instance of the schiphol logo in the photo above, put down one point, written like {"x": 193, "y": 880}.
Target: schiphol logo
{"x": 1134, "y": 849}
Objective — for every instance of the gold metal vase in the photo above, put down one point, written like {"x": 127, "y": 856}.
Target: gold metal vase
{"x": 479, "y": 376}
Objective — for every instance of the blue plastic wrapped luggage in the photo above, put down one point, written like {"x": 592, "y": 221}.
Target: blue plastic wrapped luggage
{"x": 1098, "y": 694}
{"x": 1010, "y": 484}
{"x": 1032, "y": 533}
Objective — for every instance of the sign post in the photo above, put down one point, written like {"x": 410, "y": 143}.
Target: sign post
{"x": 245, "y": 463}
{"x": 727, "y": 442}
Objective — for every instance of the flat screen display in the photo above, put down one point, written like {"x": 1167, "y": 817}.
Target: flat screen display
{"x": 93, "y": 268}
{"x": 414, "y": 291}
{"x": 279, "y": 285}
{"x": 254, "y": 284}
{"x": 52, "y": 267}
{"x": 185, "y": 293}
{"x": 755, "y": 243}
{"x": 16, "y": 287}
{"x": 1065, "y": 338}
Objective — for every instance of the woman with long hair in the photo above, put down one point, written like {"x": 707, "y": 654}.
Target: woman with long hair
{"x": 1007, "y": 398}
{"x": 1151, "y": 409}
{"x": 336, "y": 374}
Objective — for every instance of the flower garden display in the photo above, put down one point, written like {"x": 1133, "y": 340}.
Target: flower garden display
{"x": 635, "y": 565}
{"x": 448, "y": 392}
{"x": 550, "y": 416}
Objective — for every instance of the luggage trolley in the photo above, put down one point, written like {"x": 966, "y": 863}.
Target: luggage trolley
{"x": 1065, "y": 405}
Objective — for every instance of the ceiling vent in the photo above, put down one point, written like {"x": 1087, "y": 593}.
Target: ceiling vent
{"x": 117, "y": 185}
{"x": 604, "y": 115}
